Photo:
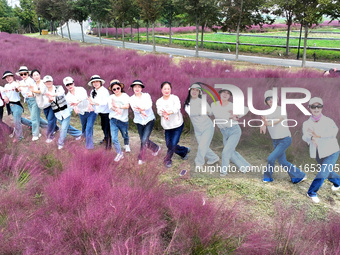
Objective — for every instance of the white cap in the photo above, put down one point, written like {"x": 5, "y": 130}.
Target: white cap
{"x": 268, "y": 93}
{"x": 315, "y": 100}
{"x": 68, "y": 80}
{"x": 195, "y": 86}
{"x": 47, "y": 78}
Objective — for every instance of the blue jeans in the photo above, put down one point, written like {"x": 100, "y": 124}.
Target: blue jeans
{"x": 51, "y": 122}
{"x": 203, "y": 150}
{"x": 67, "y": 128}
{"x": 43, "y": 123}
{"x": 231, "y": 137}
{"x": 17, "y": 111}
{"x": 87, "y": 122}
{"x": 326, "y": 172}
{"x": 279, "y": 153}
{"x": 144, "y": 132}
{"x": 116, "y": 125}
{"x": 172, "y": 137}
{"x": 35, "y": 115}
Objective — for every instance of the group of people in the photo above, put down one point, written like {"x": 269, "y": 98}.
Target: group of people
{"x": 319, "y": 131}
{"x": 42, "y": 94}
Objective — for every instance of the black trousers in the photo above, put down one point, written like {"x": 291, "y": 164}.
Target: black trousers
{"x": 105, "y": 123}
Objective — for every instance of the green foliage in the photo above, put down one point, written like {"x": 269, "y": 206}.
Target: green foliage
{"x": 23, "y": 178}
{"x": 9, "y": 24}
{"x": 27, "y": 15}
{"x": 52, "y": 164}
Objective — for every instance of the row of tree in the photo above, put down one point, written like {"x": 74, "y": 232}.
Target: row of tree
{"x": 230, "y": 15}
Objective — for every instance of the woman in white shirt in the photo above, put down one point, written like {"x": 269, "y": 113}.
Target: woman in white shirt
{"x": 169, "y": 108}
{"x": 77, "y": 99}
{"x": 141, "y": 104}
{"x": 118, "y": 103}
{"x": 26, "y": 86}
{"x": 44, "y": 104}
{"x": 5, "y": 128}
{"x": 282, "y": 139}
{"x": 98, "y": 99}
{"x": 203, "y": 126}
{"x": 62, "y": 111}
{"x": 231, "y": 132}
{"x": 12, "y": 97}
{"x": 319, "y": 132}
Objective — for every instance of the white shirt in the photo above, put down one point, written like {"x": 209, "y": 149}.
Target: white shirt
{"x": 123, "y": 99}
{"x": 199, "y": 121}
{"x": 1, "y": 101}
{"x": 42, "y": 100}
{"x": 25, "y": 90}
{"x": 101, "y": 99}
{"x": 278, "y": 131}
{"x": 223, "y": 116}
{"x": 327, "y": 143}
{"x": 143, "y": 102}
{"x": 80, "y": 97}
{"x": 66, "y": 112}
{"x": 173, "y": 106}
{"x": 11, "y": 93}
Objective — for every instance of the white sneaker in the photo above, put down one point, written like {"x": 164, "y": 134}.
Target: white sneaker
{"x": 335, "y": 188}
{"x": 314, "y": 199}
{"x": 156, "y": 153}
{"x": 13, "y": 133}
{"x": 127, "y": 148}
{"x": 78, "y": 138}
{"x": 140, "y": 162}
{"x": 60, "y": 147}
{"x": 119, "y": 157}
{"x": 35, "y": 138}
{"x": 213, "y": 161}
{"x": 49, "y": 140}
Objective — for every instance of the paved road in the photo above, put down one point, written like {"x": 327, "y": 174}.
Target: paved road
{"x": 76, "y": 35}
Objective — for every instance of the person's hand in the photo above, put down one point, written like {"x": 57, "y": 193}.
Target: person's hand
{"x": 90, "y": 108}
{"x": 76, "y": 109}
{"x": 263, "y": 129}
{"x": 143, "y": 114}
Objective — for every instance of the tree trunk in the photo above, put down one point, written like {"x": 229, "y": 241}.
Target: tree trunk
{"x": 131, "y": 33}
{"x": 116, "y": 32}
{"x": 82, "y": 31}
{"x": 68, "y": 30}
{"x": 51, "y": 23}
{"x": 305, "y": 47}
{"x": 153, "y": 38}
{"x": 147, "y": 32}
{"x": 100, "y": 32}
{"x": 170, "y": 25}
{"x": 202, "y": 35}
{"x": 288, "y": 35}
{"x": 197, "y": 28}
{"x": 61, "y": 31}
{"x": 123, "y": 34}
{"x": 107, "y": 30}
{"x": 238, "y": 33}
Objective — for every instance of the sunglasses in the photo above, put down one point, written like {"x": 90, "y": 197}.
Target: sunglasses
{"x": 69, "y": 84}
{"x": 118, "y": 88}
{"x": 319, "y": 106}
{"x": 23, "y": 74}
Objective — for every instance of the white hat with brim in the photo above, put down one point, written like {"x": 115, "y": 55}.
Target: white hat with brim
{"x": 23, "y": 69}
{"x": 47, "y": 78}
{"x": 137, "y": 82}
{"x": 315, "y": 100}
{"x": 95, "y": 78}
{"x": 7, "y": 73}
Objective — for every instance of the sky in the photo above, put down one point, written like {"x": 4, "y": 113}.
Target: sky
{"x": 13, "y": 2}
